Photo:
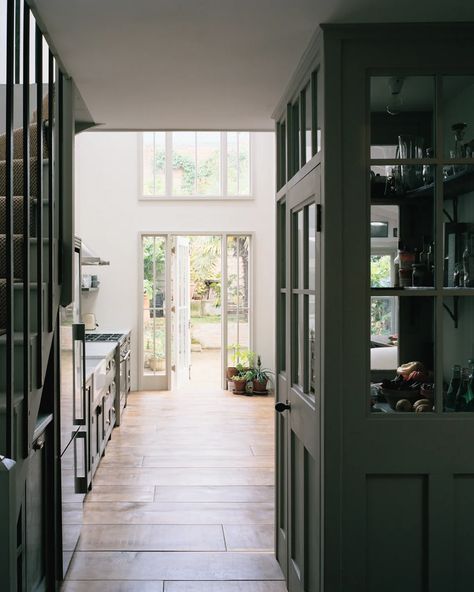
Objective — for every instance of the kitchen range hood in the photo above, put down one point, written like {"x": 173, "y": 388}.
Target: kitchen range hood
{"x": 88, "y": 257}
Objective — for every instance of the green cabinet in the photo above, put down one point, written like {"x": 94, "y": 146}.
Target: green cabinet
{"x": 392, "y": 136}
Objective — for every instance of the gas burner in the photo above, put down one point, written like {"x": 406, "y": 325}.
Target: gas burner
{"x": 104, "y": 336}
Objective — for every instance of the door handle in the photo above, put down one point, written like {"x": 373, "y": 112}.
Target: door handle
{"x": 79, "y": 334}
{"x": 280, "y": 407}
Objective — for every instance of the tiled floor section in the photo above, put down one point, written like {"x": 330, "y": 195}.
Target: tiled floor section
{"x": 183, "y": 499}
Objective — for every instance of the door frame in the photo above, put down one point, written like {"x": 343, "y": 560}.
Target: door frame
{"x": 169, "y": 322}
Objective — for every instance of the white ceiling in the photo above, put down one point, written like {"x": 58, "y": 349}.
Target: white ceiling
{"x": 201, "y": 64}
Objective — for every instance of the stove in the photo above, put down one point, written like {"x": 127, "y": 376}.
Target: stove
{"x": 104, "y": 336}
{"x": 122, "y": 365}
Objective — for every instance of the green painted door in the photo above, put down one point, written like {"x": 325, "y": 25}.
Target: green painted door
{"x": 298, "y": 399}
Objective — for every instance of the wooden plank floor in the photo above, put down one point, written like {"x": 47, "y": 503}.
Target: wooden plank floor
{"x": 183, "y": 500}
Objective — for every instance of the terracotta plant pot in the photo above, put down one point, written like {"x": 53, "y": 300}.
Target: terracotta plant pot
{"x": 239, "y": 386}
{"x": 259, "y": 387}
{"x": 231, "y": 371}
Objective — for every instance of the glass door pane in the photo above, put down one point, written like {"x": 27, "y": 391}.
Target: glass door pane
{"x": 154, "y": 307}
{"x": 402, "y": 116}
{"x": 304, "y": 299}
{"x": 238, "y": 295}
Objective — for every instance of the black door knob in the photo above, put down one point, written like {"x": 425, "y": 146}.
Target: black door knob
{"x": 280, "y": 407}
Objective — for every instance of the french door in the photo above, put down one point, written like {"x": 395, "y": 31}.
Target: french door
{"x": 299, "y": 378}
{"x": 181, "y": 309}
{"x": 170, "y": 294}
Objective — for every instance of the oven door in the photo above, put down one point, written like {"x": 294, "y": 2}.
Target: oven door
{"x": 124, "y": 379}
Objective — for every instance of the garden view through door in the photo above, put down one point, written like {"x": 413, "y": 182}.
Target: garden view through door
{"x": 155, "y": 330}
{"x": 197, "y": 307}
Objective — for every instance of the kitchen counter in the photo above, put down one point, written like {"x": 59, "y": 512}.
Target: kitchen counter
{"x": 96, "y": 352}
{"x": 99, "y": 349}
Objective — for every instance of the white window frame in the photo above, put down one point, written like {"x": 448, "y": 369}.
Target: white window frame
{"x": 164, "y": 382}
{"x": 168, "y": 195}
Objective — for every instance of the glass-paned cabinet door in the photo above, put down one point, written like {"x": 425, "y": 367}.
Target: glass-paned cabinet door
{"x": 304, "y": 295}
{"x": 457, "y": 235}
{"x": 402, "y": 266}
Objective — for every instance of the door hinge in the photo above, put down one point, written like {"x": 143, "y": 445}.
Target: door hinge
{"x": 319, "y": 217}
{"x": 173, "y": 367}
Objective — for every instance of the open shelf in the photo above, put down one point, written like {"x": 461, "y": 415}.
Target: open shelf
{"x": 453, "y": 187}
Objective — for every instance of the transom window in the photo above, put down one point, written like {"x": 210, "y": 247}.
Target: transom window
{"x": 195, "y": 164}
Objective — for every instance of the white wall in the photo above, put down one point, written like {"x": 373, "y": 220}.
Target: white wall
{"x": 109, "y": 218}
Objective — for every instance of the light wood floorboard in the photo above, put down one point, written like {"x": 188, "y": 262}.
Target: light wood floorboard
{"x": 151, "y": 537}
{"x": 107, "y": 565}
{"x": 112, "y": 586}
{"x": 225, "y": 587}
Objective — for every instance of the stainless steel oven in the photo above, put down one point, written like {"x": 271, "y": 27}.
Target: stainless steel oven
{"x": 124, "y": 381}
{"x": 122, "y": 363}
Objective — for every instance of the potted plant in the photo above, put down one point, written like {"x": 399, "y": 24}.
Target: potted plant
{"x": 240, "y": 380}
{"x": 260, "y": 377}
{"x": 242, "y": 359}
{"x": 157, "y": 362}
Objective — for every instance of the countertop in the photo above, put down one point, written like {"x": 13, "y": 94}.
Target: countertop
{"x": 99, "y": 349}
{"x": 96, "y": 352}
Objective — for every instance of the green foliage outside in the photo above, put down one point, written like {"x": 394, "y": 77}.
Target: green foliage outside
{"x": 154, "y": 251}
{"x": 380, "y": 308}
{"x": 380, "y": 272}
{"x": 207, "y": 174}
{"x": 380, "y": 316}
{"x": 205, "y": 264}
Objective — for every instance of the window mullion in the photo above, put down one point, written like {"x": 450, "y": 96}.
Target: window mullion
{"x": 223, "y": 167}
{"x": 195, "y": 164}
{"x": 154, "y": 163}
{"x": 168, "y": 163}
{"x": 238, "y": 163}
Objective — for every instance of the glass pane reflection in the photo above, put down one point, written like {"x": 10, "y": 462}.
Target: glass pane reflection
{"x": 458, "y": 354}
{"x": 458, "y": 116}
{"x": 401, "y": 115}
{"x": 402, "y": 354}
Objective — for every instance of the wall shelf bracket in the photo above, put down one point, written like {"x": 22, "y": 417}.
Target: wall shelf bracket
{"x": 454, "y": 314}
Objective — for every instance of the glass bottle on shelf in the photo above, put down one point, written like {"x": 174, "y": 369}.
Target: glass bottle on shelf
{"x": 459, "y": 130}
{"x": 396, "y": 266}
{"x": 458, "y": 276}
{"x": 428, "y": 176}
{"x": 469, "y": 396}
{"x": 407, "y": 259}
{"x": 453, "y": 388}
{"x": 424, "y": 251}
{"x": 460, "y": 404}
{"x": 468, "y": 262}
{"x": 419, "y": 275}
